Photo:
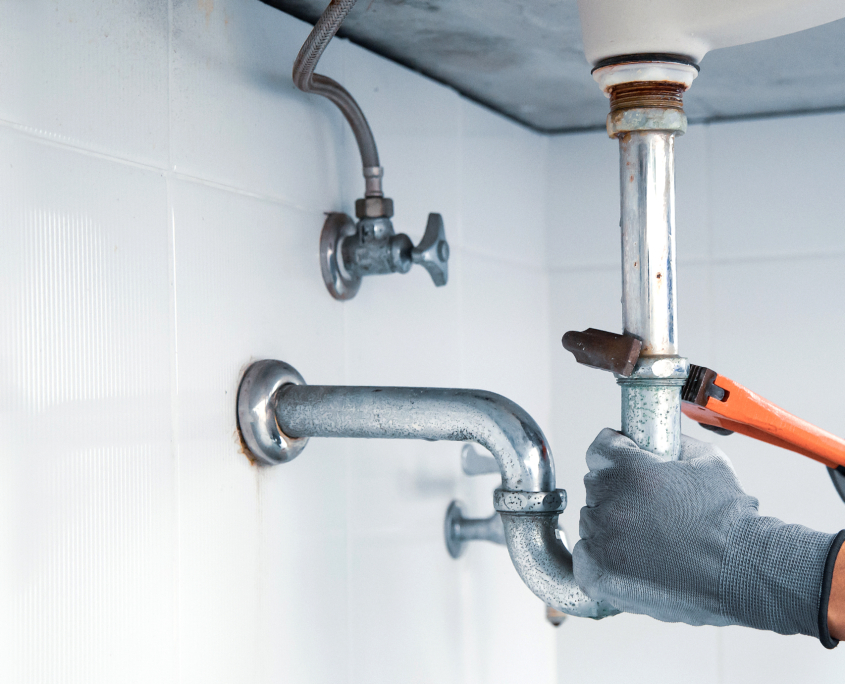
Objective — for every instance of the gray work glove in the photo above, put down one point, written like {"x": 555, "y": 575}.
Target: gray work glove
{"x": 682, "y": 542}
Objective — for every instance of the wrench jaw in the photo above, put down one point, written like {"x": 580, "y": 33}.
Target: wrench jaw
{"x": 715, "y": 402}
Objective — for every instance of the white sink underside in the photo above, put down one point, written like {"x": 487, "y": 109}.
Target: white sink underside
{"x": 693, "y": 28}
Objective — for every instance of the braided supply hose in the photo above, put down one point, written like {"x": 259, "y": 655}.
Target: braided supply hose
{"x": 306, "y": 80}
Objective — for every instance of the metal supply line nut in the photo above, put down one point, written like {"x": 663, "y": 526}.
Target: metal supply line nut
{"x": 374, "y": 207}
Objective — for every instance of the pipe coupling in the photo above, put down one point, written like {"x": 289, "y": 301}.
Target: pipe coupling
{"x": 505, "y": 501}
{"x": 646, "y": 119}
{"x": 651, "y": 404}
{"x": 657, "y": 368}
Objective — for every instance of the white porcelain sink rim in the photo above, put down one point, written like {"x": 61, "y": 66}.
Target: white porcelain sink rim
{"x": 693, "y": 28}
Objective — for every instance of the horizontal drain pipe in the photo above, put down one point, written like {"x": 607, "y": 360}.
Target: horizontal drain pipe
{"x": 278, "y": 413}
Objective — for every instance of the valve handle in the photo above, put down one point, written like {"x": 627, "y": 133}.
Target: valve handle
{"x": 433, "y": 251}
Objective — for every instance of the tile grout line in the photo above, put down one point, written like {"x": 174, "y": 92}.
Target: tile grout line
{"x": 342, "y": 188}
{"x": 167, "y": 169}
{"x": 468, "y": 649}
{"x": 216, "y": 185}
{"x": 52, "y": 141}
{"x": 174, "y": 363}
{"x": 709, "y": 261}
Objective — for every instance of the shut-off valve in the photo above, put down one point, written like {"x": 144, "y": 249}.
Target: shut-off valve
{"x": 349, "y": 250}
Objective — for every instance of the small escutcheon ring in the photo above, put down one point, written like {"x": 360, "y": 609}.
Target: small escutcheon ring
{"x": 341, "y": 284}
{"x": 256, "y": 412}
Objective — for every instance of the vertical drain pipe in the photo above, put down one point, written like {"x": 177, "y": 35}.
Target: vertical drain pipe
{"x": 646, "y": 114}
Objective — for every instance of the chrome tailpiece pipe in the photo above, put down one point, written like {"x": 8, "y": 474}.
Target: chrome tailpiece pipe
{"x": 646, "y": 114}
{"x": 278, "y": 413}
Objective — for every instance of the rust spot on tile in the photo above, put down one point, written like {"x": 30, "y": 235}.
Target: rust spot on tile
{"x": 206, "y": 6}
{"x": 243, "y": 448}
{"x": 237, "y": 435}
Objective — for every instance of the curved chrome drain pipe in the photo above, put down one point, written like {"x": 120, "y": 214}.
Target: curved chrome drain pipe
{"x": 278, "y": 412}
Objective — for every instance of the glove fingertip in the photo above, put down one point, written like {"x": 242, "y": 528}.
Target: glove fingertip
{"x": 584, "y": 569}
{"x": 607, "y": 448}
{"x": 582, "y": 527}
{"x": 610, "y": 448}
{"x": 691, "y": 448}
{"x": 579, "y": 555}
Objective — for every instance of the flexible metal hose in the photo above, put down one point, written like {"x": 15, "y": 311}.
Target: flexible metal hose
{"x": 306, "y": 80}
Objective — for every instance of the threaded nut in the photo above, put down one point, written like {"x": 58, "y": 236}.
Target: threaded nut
{"x": 506, "y": 501}
{"x": 374, "y": 207}
{"x": 654, "y": 119}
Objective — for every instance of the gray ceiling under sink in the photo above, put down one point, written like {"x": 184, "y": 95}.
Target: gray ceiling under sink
{"x": 525, "y": 60}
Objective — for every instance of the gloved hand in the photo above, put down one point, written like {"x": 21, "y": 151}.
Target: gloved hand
{"x": 682, "y": 542}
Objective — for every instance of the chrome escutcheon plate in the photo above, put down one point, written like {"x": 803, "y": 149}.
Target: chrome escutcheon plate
{"x": 341, "y": 284}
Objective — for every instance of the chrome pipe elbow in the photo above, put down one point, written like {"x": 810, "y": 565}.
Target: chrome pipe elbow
{"x": 545, "y": 564}
{"x": 278, "y": 413}
{"x": 433, "y": 414}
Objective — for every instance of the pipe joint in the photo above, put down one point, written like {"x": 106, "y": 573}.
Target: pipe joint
{"x": 650, "y": 368}
{"x": 506, "y": 501}
{"x": 669, "y": 120}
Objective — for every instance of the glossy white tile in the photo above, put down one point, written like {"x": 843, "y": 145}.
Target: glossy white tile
{"x": 692, "y": 212}
{"x": 87, "y": 529}
{"x": 582, "y": 209}
{"x": 403, "y": 624}
{"x": 236, "y": 117}
{"x": 245, "y": 291}
{"x": 781, "y": 327}
{"x": 506, "y": 332}
{"x": 758, "y": 657}
{"x": 777, "y": 187}
{"x": 508, "y": 223}
{"x": 92, "y": 74}
{"x": 637, "y": 649}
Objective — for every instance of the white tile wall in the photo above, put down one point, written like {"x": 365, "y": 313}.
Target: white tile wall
{"x": 87, "y": 482}
{"x": 164, "y": 190}
{"x": 89, "y": 73}
{"x": 235, "y": 116}
{"x": 761, "y": 275}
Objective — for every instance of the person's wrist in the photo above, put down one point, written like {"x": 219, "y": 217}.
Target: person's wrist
{"x": 836, "y": 603}
{"x": 832, "y": 595}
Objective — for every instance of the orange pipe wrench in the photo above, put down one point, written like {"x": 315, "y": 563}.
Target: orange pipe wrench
{"x": 714, "y": 400}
